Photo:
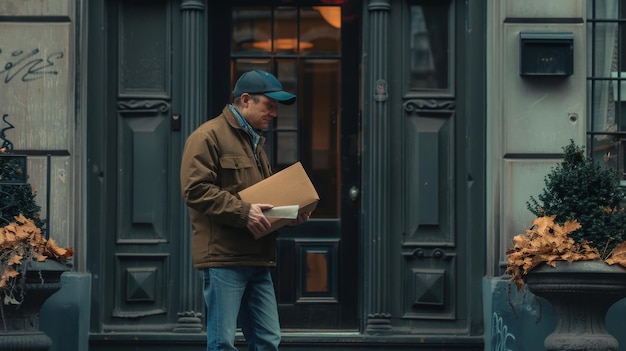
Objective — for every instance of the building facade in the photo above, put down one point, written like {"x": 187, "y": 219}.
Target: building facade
{"x": 423, "y": 125}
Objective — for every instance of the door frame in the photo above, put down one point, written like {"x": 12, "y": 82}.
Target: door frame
{"x": 348, "y": 225}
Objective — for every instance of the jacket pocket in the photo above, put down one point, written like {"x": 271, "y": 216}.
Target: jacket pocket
{"x": 236, "y": 172}
{"x": 235, "y": 245}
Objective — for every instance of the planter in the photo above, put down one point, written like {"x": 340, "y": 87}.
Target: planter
{"x": 19, "y": 324}
{"x": 581, "y": 293}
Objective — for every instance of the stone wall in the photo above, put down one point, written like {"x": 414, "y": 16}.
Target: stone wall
{"x": 37, "y": 85}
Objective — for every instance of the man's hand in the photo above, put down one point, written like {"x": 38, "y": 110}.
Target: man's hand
{"x": 303, "y": 217}
{"x": 258, "y": 224}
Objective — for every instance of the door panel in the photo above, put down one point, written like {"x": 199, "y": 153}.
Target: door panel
{"x": 429, "y": 246}
{"x": 429, "y": 130}
{"x": 142, "y": 165}
{"x": 143, "y": 238}
{"x": 141, "y": 207}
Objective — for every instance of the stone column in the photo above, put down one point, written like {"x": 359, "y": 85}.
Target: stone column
{"x": 192, "y": 114}
{"x": 375, "y": 200}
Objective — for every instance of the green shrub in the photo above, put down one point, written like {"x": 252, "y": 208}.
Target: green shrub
{"x": 588, "y": 192}
{"x": 16, "y": 195}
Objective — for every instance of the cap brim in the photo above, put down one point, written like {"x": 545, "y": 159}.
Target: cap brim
{"x": 283, "y": 97}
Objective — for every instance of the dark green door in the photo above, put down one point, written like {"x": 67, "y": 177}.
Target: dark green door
{"x": 313, "y": 49}
{"x": 436, "y": 144}
{"x": 133, "y": 160}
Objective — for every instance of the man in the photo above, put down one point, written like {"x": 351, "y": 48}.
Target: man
{"x": 222, "y": 157}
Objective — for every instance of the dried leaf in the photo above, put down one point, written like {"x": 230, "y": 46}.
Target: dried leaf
{"x": 22, "y": 240}
{"x": 546, "y": 242}
{"x": 569, "y": 227}
{"x": 22, "y": 234}
{"x": 618, "y": 255}
{"x": 9, "y": 236}
{"x": 10, "y": 228}
{"x": 57, "y": 251}
{"x": 68, "y": 253}
{"x": 15, "y": 259}
{"x": 20, "y": 219}
{"x": 10, "y": 272}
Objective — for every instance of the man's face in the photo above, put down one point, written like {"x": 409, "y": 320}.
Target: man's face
{"x": 258, "y": 113}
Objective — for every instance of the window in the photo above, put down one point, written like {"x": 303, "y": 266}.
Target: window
{"x": 301, "y": 45}
{"x": 429, "y": 46}
{"x": 606, "y": 82}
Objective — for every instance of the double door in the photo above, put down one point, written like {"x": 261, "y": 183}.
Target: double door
{"x": 417, "y": 148}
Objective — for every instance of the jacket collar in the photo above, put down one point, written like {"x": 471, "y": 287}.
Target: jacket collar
{"x": 231, "y": 118}
{"x": 233, "y": 122}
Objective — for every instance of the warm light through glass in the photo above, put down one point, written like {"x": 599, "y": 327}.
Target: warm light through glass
{"x": 281, "y": 44}
{"x": 331, "y": 14}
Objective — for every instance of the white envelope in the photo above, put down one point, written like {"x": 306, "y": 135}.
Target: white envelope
{"x": 288, "y": 212}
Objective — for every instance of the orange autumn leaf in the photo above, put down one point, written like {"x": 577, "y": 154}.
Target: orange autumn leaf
{"x": 22, "y": 234}
{"x": 69, "y": 252}
{"x": 3, "y": 239}
{"x": 545, "y": 242}
{"x": 21, "y": 219}
{"x": 9, "y": 236}
{"x": 57, "y": 251}
{"x": 22, "y": 240}
{"x": 569, "y": 227}
{"x": 15, "y": 259}
{"x": 10, "y": 272}
{"x": 618, "y": 256}
{"x": 9, "y": 232}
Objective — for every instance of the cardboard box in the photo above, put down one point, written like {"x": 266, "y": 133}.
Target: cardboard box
{"x": 291, "y": 186}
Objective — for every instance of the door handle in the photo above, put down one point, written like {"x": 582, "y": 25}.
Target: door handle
{"x": 353, "y": 193}
{"x": 175, "y": 123}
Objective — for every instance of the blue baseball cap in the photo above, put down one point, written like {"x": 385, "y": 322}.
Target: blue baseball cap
{"x": 261, "y": 82}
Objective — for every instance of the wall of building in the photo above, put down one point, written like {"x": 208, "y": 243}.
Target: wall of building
{"x": 529, "y": 120}
{"x": 37, "y": 56}
{"x": 40, "y": 49}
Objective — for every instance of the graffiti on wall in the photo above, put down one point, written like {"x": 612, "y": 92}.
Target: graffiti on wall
{"x": 500, "y": 334}
{"x": 33, "y": 87}
{"x": 25, "y": 66}
{"x": 6, "y": 144}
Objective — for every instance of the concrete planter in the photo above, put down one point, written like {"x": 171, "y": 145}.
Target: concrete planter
{"x": 19, "y": 324}
{"x": 581, "y": 294}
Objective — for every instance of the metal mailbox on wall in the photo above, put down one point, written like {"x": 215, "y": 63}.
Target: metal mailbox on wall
{"x": 546, "y": 53}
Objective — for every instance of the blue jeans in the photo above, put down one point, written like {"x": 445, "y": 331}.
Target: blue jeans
{"x": 244, "y": 292}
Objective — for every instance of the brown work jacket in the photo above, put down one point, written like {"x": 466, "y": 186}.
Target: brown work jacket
{"x": 218, "y": 161}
